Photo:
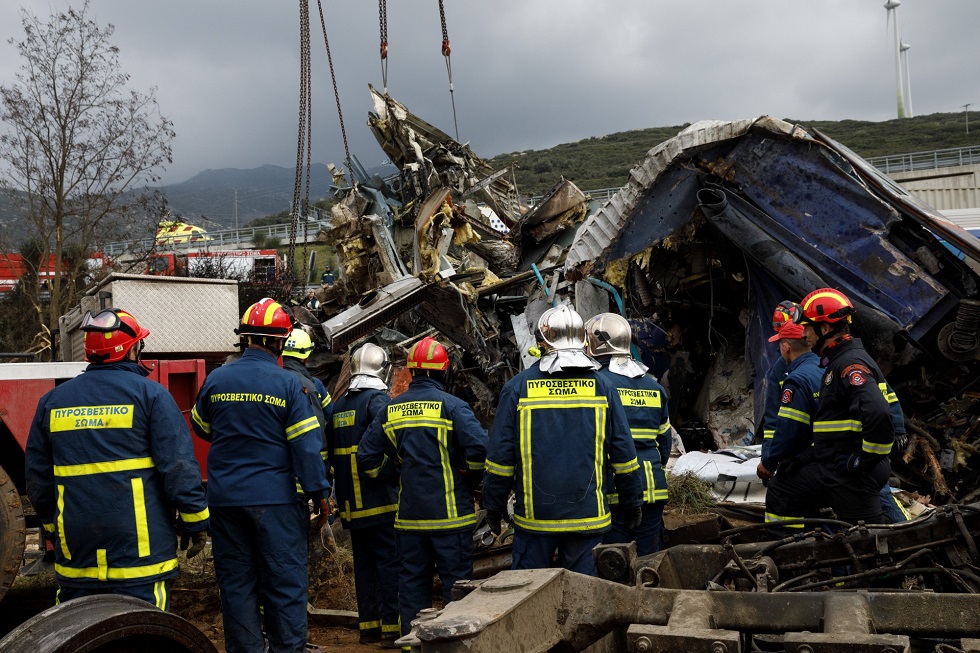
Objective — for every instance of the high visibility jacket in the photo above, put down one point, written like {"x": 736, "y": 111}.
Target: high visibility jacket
{"x": 792, "y": 430}
{"x": 774, "y": 386}
{"x": 363, "y": 501}
{"x": 439, "y": 449}
{"x": 645, "y": 404}
{"x": 108, "y": 461}
{"x": 551, "y": 440}
{"x": 322, "y": 406}
{"x": 853, "y": 415}
{"x": 263, "y": 431}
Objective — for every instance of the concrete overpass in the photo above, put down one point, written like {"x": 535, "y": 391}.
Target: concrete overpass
{"x": 944, "y": 179}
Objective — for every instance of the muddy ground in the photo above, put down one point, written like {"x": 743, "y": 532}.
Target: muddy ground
{"x": 195, "y": 596}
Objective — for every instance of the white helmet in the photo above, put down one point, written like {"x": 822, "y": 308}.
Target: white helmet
{"x": 608, "y": 334}
{"x": 562, "y": 328}
{"x": 371, "y": 360}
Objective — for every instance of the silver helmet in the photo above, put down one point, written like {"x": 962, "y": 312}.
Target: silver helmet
{"x": 371, "y": 360}
{"x": 608, "y": 335}
{"x": 562, "y": 328}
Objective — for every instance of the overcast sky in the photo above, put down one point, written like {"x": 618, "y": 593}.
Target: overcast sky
{"x": 528, "y": 74}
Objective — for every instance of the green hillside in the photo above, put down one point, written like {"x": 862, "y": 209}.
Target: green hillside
{"x": 605, "y": 161}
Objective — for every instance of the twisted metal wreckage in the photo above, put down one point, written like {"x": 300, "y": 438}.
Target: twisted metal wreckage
{"x": 713, "y": 229}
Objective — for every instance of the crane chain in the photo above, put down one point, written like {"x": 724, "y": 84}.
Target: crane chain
{"x": 336, "y": 93}
{"x": 304, "y": 104}
{"x": 446, "y": 50}
{"x": 383, "y": 22}
{"x": 309, "y": 174}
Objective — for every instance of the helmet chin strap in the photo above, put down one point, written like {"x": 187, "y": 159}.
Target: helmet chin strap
{"x": 139, "y": 346}
{"x": 823, "y": 339}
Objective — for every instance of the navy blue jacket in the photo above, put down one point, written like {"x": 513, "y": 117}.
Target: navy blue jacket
{"x": 792, "y": 431}
{"x": 109, "y": 460}
{"x": 439, "y": 449}
{"x": 774, "y": 387}
{"x": 854, "y": 415}
{"x": 322, "y": 407}
{"x": 645, "y": 404}
{"x": 551, "y": 440}
{"x": 263, "y": 431}
{"x": 363, "y": 501}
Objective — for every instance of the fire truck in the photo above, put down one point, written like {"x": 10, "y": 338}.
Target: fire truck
{"x": 254, "y": 264}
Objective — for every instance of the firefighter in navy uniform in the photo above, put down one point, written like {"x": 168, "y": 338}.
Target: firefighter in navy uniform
{"x": 367, "y": 506}
{"x": 439, "y": 449}
{"x": 264, "y": 435}
{"x": 777, "y": 372}
{"x": 109, "y": 460}
{"x": 645, "y": 403}
{"x": 789, "y": 447}
{"x": 853, "y": 428}
{"x": 297, "y": 350}
{"x": 558, "y": 425}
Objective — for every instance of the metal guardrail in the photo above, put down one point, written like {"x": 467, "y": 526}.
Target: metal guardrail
{"x": 957, "y": 156}
{"x": 223, "y": 238}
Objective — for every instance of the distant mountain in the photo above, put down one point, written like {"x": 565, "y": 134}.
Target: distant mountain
{"x": 213, "y": 195}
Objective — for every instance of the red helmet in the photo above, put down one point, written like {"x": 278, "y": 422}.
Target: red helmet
{"x": 265, "y": 317}
{"x": 428, "y": 354}
{"x": 826, "y": 305}
{"x": 110, "y": 334}
{"x": 787, "y": 311}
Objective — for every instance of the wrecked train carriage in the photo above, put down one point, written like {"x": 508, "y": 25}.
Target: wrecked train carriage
{"x": 725, "y": 220}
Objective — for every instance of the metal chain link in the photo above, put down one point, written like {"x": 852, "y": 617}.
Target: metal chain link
{"x": 336, "y": 94}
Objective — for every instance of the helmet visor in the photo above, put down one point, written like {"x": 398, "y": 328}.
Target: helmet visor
{"x": 105, "y": 321}
{"x": 787, "y": 312}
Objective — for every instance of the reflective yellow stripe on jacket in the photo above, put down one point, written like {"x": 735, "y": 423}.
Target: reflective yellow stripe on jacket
{"x": 105, "y": 467}
{"x": 105, "y": 572}
{"x": 584, "y": 398}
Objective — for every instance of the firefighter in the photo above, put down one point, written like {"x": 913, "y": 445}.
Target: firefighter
{"x": 439, "y": 450}
{"x": 108, "y": 460}
{"x": 558, "y": 424}
{"x": 367, "y": 506}
{"x": 783, "y": 313}
{"x": 645, "y": 403}
{"x": 853, "y": 428}
{"x": 295, "y": 353}
{"x": 789, "y": 447}
{"x": 264, "y": 435}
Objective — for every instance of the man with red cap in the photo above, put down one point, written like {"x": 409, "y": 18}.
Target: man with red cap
{"x": 787, "y": 447}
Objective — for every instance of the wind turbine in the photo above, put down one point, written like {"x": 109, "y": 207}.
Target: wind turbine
{"x": 891, "y": 7}
{"x": 904, "y": 49}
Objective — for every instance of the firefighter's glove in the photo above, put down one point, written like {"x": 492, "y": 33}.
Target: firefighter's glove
{"x": 858, "y": 462}
{"x": 494, "y": 518}
{"x": 633, "y": 517}
{"x": 321, "y": 509}
{"x": 193, "y": 543}
{"x": 786, "y": 467}
{"x": 901, "y": 441}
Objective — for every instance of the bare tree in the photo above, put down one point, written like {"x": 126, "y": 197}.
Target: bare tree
{"x": 80, "y": 147}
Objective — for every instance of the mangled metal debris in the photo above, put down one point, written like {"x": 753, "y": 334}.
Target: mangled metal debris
{"x": 713, "y": 228}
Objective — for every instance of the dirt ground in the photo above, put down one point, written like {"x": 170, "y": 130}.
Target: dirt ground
{"x": 195, "y": 595}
